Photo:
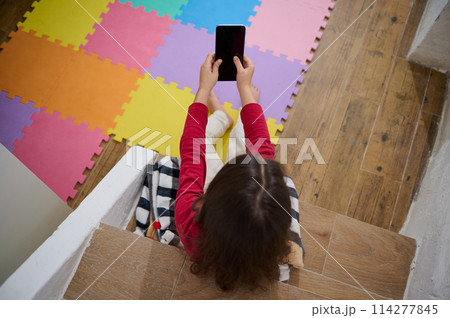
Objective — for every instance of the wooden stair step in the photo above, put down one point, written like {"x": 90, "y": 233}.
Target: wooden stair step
{"x": 146, "y": 270}
{"x": 378, "y": 259}
{"x": 151, "y": 270}
{"x": 328, "y": 287}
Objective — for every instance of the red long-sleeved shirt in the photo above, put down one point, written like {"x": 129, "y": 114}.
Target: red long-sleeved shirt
{"x": 193, "y": 166}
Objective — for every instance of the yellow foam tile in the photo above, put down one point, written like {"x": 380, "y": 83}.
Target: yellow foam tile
{"x": 65, "y": 20}
{"x": 273, "y": 128}
{"x": 155, "y": 116}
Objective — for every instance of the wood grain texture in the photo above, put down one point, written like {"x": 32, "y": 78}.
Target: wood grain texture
{"x": 333, "y": 191}
{"x": 12, "y": 12}
{"x": 379, "y": 48}
{"x": 146, "y": 270}
{"x": 345, "y": 13}
{"x": 316, "y": 172}
{"x": 3, "y": 36}
{"x": 315, "y": 110}
{"x": 191, "y": 286}
{"x": 373, "y": 199}
{"x": 139, "y": 268}
{"x": 378, "y": 259}
{"x": 318, "y": 223}
{"x": 131, "y": 226}
{"x": 327, "y": 287}
{"x": 435, "y": 95}
{"x": 411, "y": 27}
{"x": 368, "y": 50}
{"x": 418, "y": 159}
{"x": 395, "y": 125}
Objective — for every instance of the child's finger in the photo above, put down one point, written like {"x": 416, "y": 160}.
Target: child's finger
{"x": 247, "y": 61}
{"x": 209, "y": 59}
{"x": 216, "y": 66}
{"x": 238, "y": 64}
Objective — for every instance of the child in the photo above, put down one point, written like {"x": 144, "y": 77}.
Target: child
{"x": 239, "y": 226}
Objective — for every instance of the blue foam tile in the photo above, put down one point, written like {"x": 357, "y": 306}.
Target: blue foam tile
{"x": 209, "y": 14}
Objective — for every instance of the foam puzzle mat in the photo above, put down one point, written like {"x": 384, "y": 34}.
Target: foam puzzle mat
{"x": 62, "y": 79}
{"x": 74, "y": 73}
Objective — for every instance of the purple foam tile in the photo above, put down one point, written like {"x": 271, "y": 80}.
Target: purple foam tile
{"x": 179, "y": 59}
{"x": 14, "y": 116}
{"x": 276, "y": 78}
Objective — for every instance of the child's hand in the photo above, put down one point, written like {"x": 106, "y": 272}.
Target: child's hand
{"x": 244, "y": 73}
{"x": 209, "y": 73}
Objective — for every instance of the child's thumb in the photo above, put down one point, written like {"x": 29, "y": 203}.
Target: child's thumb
{"x": 238, "y": 64}
{"x": 216, "y": 65}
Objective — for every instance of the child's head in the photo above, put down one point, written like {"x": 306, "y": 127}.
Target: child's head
{"x": 245, "y": 224}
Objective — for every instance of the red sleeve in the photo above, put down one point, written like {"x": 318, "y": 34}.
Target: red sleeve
{"x": 192, "y": 175}
{"x": 256, "y": 131}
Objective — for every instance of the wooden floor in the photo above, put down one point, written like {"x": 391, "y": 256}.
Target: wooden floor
{"x": 372, "y": 114}
{"x": 11, "y": 12}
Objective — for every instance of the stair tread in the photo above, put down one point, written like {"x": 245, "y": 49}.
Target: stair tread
{"x": 378, "y": 259}
{"x": 191, "y": 286}
{"x": 147, "y": 270}
{"x": 375, "y": 257}
{"x": 328, "y": 287}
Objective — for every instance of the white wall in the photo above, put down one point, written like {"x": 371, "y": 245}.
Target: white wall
{"x": 29, "y": 213}
{"x": 429, "y": 223}
{"x": 429, "y": 16}
{"x": 431, "y": 45}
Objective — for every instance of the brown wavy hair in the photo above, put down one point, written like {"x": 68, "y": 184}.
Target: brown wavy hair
{"x": 245, "y": 231}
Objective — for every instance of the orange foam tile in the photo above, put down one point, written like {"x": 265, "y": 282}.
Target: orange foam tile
{"x": 65, "y": 80}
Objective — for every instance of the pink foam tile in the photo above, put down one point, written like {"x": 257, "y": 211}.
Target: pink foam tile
{"x": 288, "y": 27}
{"x": 131, "y": 30}
{"x": 58, "y": 151}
